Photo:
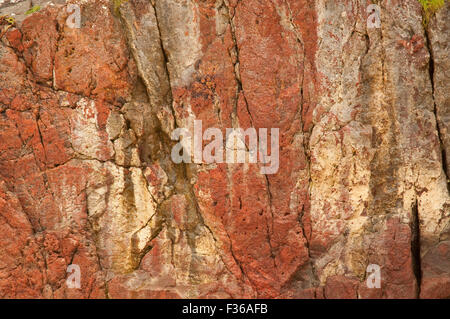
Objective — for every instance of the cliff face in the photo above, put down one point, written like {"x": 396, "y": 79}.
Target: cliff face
{"x": 87, "y": 178}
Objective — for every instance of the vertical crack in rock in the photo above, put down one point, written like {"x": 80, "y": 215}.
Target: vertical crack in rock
{"x": 305, "y": 134}
{"x": 445, "y": 164}
{"x": 165, "y": 57}
{"x": 237, "y": 65}
{"x": 415, "y": 247}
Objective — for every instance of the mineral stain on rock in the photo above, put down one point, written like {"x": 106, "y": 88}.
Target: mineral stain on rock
{"x": 86, "y": 175}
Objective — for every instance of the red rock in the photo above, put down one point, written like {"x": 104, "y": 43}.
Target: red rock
{"x": 39, "y": 39}
{"x": 86, "y": 176}
{"x": 340, "y": 287}
{"x": 435, "y": 269}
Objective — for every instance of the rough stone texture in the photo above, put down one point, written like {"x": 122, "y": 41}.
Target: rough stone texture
{"x": 86, "y": 176}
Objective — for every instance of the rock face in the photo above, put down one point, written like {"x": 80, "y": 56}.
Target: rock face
{"x": 87, "y": 179}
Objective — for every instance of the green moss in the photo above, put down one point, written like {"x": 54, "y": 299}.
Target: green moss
{"x": 5, "y": 19}
{"x": 33, "y": 10}
{"x": 11, "y": 20}
{"x": 430, "y": 7}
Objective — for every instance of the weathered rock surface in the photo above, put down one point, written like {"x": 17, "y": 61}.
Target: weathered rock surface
{"x": 86, "y": 176}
